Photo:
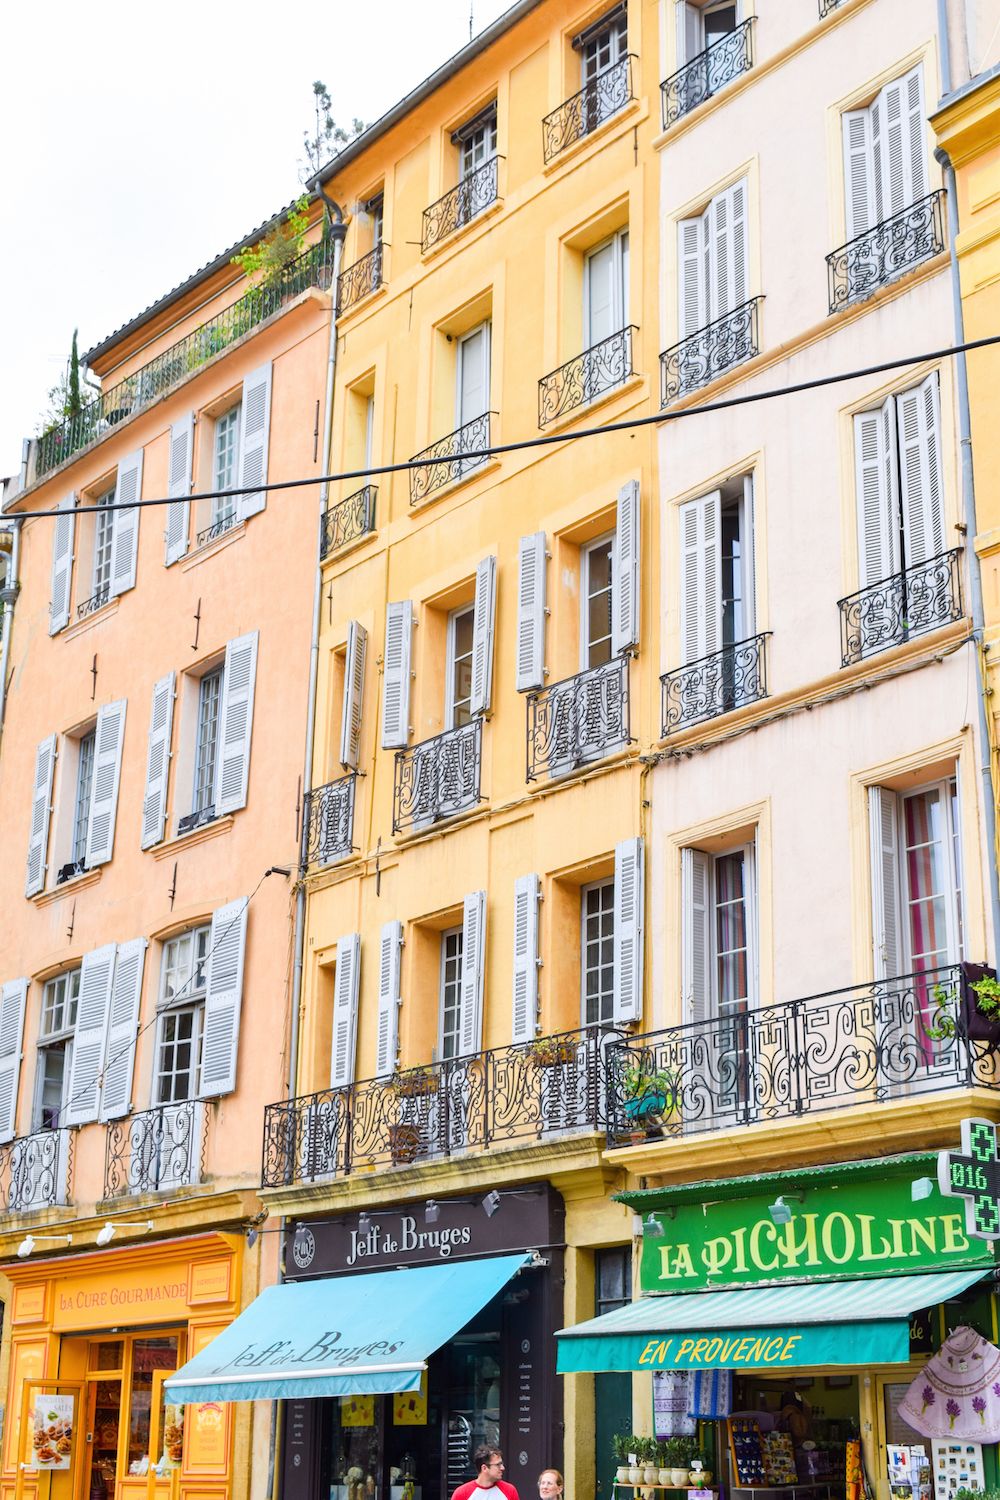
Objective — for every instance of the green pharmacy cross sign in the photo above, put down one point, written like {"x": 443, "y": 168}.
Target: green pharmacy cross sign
{"x": 974, "y": 1174}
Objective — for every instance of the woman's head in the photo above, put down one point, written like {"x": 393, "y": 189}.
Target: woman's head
{"x": 550, "y": 1484}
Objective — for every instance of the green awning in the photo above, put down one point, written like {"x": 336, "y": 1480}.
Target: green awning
{"x": 761, "y": 1328}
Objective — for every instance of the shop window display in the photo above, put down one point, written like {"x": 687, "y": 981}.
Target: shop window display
{"x": 125, "y": 1391}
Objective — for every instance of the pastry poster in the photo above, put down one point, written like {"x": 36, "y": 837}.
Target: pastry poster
{"x": 409, "y": 1408}
{"x": 357, "y": 1411}
{"x": 52, "y": 1432}
{"x": 957, "y": 1465}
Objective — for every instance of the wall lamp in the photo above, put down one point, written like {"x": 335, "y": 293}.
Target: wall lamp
{"x": 29, "y": 1242}
{"x": 779, "y": 1209}
{"x": 491, "y": 1203}
{"x": 652, "y": 1229}
{"x": 922, "y": 1187}
{"x": 432, "y": 1211}
{"x": 107, "y": 1234}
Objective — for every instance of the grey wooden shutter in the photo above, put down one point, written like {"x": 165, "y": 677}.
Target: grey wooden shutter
{"x": 531, "y": 612}
{"x": 887, "y": 934}
{"x": 125, "y": 528}
{"x": 12, "y": 1003}
{"x": 899, "y": 148}
{"x": 389, "y": 963}
{"x": 625, "y": 571}
{"x": 696, "y": 934}
{"x": 396, "y": 675}
{"x": 223, "y": 998}
{"x": 236, "y": 723}
{"x": 859, "y": 172}
{"x": 629, "y": 929}
{"x": 354, "y": 688}
{"x": 689, "y": 35}
{"x": 108, "y": 742}
{"x": 483, "y": 630}
{"x": 345, "y": 1011}
{"x": 470, "y": 1018}
{"x": 123, "y": 1022}
{"x": 914, "y": 126}
{"x": 179, "y": 488}
{"x": 154, "y": 802}
{"x": 63, "y": 533}
{"x": 96, "y": 977}
{"x": 876, "y": 476}
{"x": 255, "y": 423}
{"x": 527, "y": 894}
{"x": 701, "y": 576}
{"x": 691, "y": 282}
{"x": 41, "y": 812}
{"x": 919, "y": 437}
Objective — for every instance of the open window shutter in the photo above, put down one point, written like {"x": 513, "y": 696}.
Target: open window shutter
{"x": 223, "y": 998}
{"x": 701, "y": 576}
{"x": 354, "y": 688}
{"x": 236, "y": 723}
{"x": 919, "y": 438}
{"x": 718, "y": 221}
{"x": 880, "y": 183}
{"x": 123, "y": 1021}
{"x": 689, "y": 42}
{"x": 859, "y": 185}
{"x": 876, "y": 478}
{"x": 890, "y": 131}
{"x": 62, "y": 564}
{"x": 345, "y": 1011}
{"x": 527, "y": 894}
{"x": 179, "y": 487}
{"x": 470, "y": 1019}
{"x": 396, "y": 675}
{"x": 12, "y": 1001}
{"x": 625, "y": 571}
{"x": 915, "y": 148}
{"x": 531, "y": 612}
{"x": 751, "y": 908}
{"x": 154, "y": 803}
{"x": 41, "y": 810}
{"x": 696, "y": 928}
{"x": 749, "y": 562}
{"x": 387, "y": 1045}
{"x": 887, "y": 944}
{"x": 483, "y": 630}
{"x": 255, "y": 423}
{"x": 108, "y": 741}
{"x": 628, "y": 940}
{"x": 691, "y": 281}
{"x": 96, "y": 976}
{"x": 125, "y": 532}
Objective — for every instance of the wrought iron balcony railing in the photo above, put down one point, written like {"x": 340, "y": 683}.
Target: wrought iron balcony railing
{"x": 328, "y": 822}
{"x": 707, "y": 73}
{"x": 313, "y": 268}
{"x": 359, "y": 280}
{"x": 347, "y": 522}
{"x": 922, "y": 597}
{"x": 462, "y": 204}
{"x": 591, "y": 374}
{"x": 554, "y": 1086}
{"x": 886, "y": 251}
{"x": 870, "y": 1044}
{"x": 596, "y": 102}
{"x": 94, "y": 603}
{"x": 438, "y": 778}
{"x": 714, "y": 349}
{"x": 579, "y": 719}
{"x": 471, "y": 439}
{"x": 218, "y": 528}
{"x": 715, "y": 684}
{"x": 826, "y": 6}
{"x": 155, "y": 1150}
{"x": 35, "y": 1171}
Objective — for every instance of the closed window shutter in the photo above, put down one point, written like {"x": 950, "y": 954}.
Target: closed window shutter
{"x": 354, "y": 687}
{"x": 154, "y": 803}
{"x": 483, "y": 631}
{"x": 179, "y": 488}
{"x": 858, "y": 171}
{"x": 345, "y": 1011}
{"x": 527, "y": 894}
{"x": 625, "y": 571}
{"x": 887, "y": 936}
{"x": 396, "y": 675}
{"x": 96, "y": 976}
{"x": 255, "y": 423}
{"x": 108, "y": 741}
{"x": 223, "y": 998}
{"x": 390, "y": 952}
{"x": 691, "y": 281}
{"x": 41, "y": 811}
{"x": 880, "y": 184}
{"x": 123, "y": 1021}
{"x": 728, "y": 251}
{"x": 892, "y": 141}
{"x": 62, "y": 564}
{"x": 236, "y": 723}
{"x": 919, "y": 438}
{"x": 125, "y": 532}
{"x": 696, "y": 934}
{"x": 876, "y": 479}
{"x": 628, "y": 938}
{"x": 739, "y": 246}
{"x": 12, "y": 1002}
{"x": 531, "y": 612}
{"x": 701, "y": 576}
{"x": 470, "y": 1020}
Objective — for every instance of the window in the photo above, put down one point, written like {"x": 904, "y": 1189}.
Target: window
{"x": 897, "y": 449}
{"x": 477, "y": 142}
{"x": 717, "y": 583}
{"x": 452, "y": 947}
{"x": 612, "y": 1279}
{"x": 605, "y": 290}
{"x": 597, "y": 957}
{"x": 461, "y": 635}
{"x": 717, "y": 21}
{"x": 87, "y": 802}
{"x": 917, "y": 879}
{"x": 207, "y": 745}
{"x": 182, "y": 1004}
{"x": 84, "y": 786}
{"x": 720, "y": 933}
{"x": 225, "y": 466}
{"x": 700, "y": 26}
{"x": 60, "y": 999}
{"x": 596, "y": 590}
{"x": 472, "y": 396}
{"x": 375, "y": 209}
{"x": 885, "y": 158}
{"x": 104, "y": 527}
{"x": 714, "y": 258}
{"x": 602, "y": 45}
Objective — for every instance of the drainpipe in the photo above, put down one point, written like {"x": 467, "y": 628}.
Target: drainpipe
{"x": 8, "y": 596}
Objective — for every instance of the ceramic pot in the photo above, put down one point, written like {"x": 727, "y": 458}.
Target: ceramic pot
{"x": 701, "y": 1478}
{"x": 679, "y": 1478}
{"x": 649, "y": 1474}
{"x": 621, "y": 1474}
{"x": 663, "y": 1477}
{"x": 635, "y": 1475}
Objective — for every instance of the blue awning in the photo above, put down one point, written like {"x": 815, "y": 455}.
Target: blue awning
{"x": 362, "y": 1335}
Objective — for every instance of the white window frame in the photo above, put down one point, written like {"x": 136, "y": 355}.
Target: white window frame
{"x": 216, "y": 673}
{"x": 451, "y": 663}
{"x": 456, "y": 936}
{"x": 619, "y": 242}
{"x": 954, "y": 895}
{"x": 607, "y": 886}
{"x": 476, "y": 146}
{"x": 461, "y": 418}
{"x": 612, "y": 31}
{"x": 59, "y": 1036}
{"x": 82, "y": 797}
{"x": 751, "y": 1000}
{"x": 224, "y": 507}
{"x": 104, "y": 537}
{"x": 185, "y": 998}
{"x": 607, "y": 539}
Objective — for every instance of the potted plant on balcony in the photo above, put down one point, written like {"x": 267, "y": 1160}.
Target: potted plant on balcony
{"x": 550, "y": 1051}
{"x": 416, "y": 1082}
{"x": 650, "y": 1096}
{"x": 970, "y": 1008}
{"x": 404, "y": 1144}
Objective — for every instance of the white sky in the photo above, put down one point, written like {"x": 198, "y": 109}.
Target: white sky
{"x": 139, "y": 140}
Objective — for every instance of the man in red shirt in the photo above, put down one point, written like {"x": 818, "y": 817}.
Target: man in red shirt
{"x": 489, "y": 1463}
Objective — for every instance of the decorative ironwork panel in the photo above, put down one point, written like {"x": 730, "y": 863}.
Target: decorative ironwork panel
{"x": 715, "y": 684}
{"x": 710, "y": 352}
{"x": 826, "y": 6}
{"x": 596, "y": 102}
{"x": 439, "y": 777}
{"x": 578, "y": 719}
{"x": 328, "y": 822}
{"x": 886, "y": 251}
{"x": 707, "y": 73}
{"x": 907, "y": 604}
{"x": 359, "y": 280}
{"x": 591, "y": 374}
{"x": 154, "y": 1150}
{"x": 94, "y": 603}
{"x": 347, "y": 522}
{"x": 35, "y": 1171}
{"x": 463, "y": 203}
{"x": 218, "y": 528}
{"x": 451, "y": 458}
